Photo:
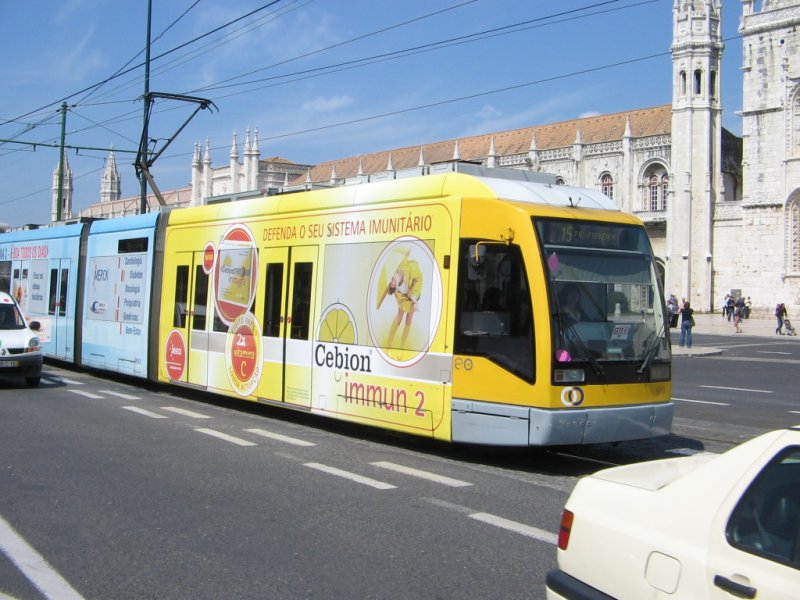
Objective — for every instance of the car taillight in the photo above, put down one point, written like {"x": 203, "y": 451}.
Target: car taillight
{"x": 565, "y": 528}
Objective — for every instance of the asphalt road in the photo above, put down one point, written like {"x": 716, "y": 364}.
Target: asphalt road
{"x": 111, "y": 490}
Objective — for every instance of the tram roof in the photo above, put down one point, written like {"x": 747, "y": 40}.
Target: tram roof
{"x": 460, "y": 181}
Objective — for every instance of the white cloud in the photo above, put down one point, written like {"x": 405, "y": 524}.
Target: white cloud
{"x": 489, "y": 112}
{"x": 320, "y": 104}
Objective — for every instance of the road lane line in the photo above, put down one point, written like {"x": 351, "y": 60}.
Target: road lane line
{"x": 421, "y": 474}
{"x": 69, "y": 381}
{"x": 773, "y": 352}
{"x": 86, "y": 394}
{"x": 719, "y": 387}
{"x": 280, "y": 438}
{"x": 185, "y": 413}
{"x": 144, "y": 412}
{"x": 351, "y": 476}
{"x": 33, "y": 565}
{"x": 700, "y": 401}
{"x": 120, "y": 395}
{"x": 521, "y": 528}
{"x": 226, "y": 437}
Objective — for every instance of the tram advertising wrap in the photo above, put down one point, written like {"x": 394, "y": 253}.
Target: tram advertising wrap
{"x": 434, "y": 305}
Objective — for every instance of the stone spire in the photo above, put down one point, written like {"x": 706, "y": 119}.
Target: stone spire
{"x": 234, "y": 165}
{"x": 491, "y": 158}
{"x": 66, "y": 192}
{"x": 110, "y": 184}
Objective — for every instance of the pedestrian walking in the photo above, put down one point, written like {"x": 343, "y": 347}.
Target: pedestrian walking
{"x": 730, "y": 304}
{"x": 780, "y": 315}
{"x": 674, "y": 310}
{"x": 687, "y": 322}
{"x": 737, "y": 318}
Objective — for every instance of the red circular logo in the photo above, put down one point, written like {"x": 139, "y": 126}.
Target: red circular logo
{"x": 176, "y": 355}
{"x": 208, "y": 258}
{"x": 244, "y": 354}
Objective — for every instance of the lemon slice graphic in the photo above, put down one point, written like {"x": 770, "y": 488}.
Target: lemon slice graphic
{"x": 337, "y": 325}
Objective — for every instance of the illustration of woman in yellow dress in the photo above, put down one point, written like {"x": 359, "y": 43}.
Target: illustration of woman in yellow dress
{"x": 406, "y": 287}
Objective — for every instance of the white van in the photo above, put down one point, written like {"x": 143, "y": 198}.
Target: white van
{"x": 20, "y": 351}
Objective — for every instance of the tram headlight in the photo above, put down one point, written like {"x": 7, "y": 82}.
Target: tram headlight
{"x": 569, "y": 375}
{"x": 660, "y": 372}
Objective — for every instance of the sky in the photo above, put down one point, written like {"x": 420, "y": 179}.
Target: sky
{"x": 318, "y": 79}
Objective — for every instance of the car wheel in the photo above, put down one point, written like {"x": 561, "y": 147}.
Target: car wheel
{"x": 32, "y": 381}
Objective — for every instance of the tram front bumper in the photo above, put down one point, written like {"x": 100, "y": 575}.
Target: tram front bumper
{"x": 476, "y": 422}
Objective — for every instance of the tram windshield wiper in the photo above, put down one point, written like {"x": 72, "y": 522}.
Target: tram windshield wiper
{"x": 584, "y": 352}
{"x": 651, "y": 348}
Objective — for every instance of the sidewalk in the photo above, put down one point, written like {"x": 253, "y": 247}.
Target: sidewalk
{"x": 716, "y": 324}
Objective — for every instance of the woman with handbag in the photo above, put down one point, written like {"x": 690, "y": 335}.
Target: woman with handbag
{"x": 687, "y": 322}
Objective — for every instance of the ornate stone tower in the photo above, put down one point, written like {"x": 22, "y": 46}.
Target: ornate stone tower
{"x": 110, "y": 183}
{"x": 66, "y": 193}
{"x": 696, "y": 149}
{"x": 771, "y": 146}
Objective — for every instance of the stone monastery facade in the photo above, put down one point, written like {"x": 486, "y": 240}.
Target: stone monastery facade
{"x": 722, "y": 212}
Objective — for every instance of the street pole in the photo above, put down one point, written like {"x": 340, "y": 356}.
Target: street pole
{"x": 145, "y": 132}
{"x": 60, "y": 192}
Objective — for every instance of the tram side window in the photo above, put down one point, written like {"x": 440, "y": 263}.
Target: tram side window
{"x": 272, "y": 302}
{"x": 5, "y": 276}
{"x": 494, "y": 317}
{"x": 301, "y": 304}
{"x": 62, "y": 299}
{"x": 200, "y": 304}
{"x": 51, "y": 308}
{"x": 181, "y": 295}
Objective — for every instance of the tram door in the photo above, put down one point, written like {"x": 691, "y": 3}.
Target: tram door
{"x": 288, "y": 319}
{"x": 190, "y": 317}
{"x": 58, "y": 309}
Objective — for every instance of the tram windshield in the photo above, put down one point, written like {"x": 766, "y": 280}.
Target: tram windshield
{"x": 604, "y": 293}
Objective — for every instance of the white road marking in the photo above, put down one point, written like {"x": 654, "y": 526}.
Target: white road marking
{"x": 69, "y": 381}
{"x": 719, "y": 387}
{"x": 521, "y": 528}
{"x": 86, "y": 394}
{"x": 421, "y": 474}
{"x": 773, "y": 352}
{"x": 226, "y": 437}
{"x": 701, "y": 401}
{"x": 34, "y": 566}
{"x": 280, "y": 438}
{"x": 120, "y": 395}
{"x": 185, "y": 413}
{"x": 351, "y": 476}
{"x": 144, "y": 412}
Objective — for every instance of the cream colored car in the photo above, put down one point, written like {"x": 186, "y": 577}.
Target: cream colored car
{"x": 20, "y": 350}
{"x": 705, "y": 526}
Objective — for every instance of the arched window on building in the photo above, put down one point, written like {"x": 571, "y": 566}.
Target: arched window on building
{"x": 793, "y": 235}
{"x": 698, "y": 82}
{"x": 795, "y": 126}
{"x": 655, "y": 187}
{"x": 560, "y": 181}
{"x": 712, "y": 84}
{"x": 607, "y": 185}
{"x": 683, "y": 84}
